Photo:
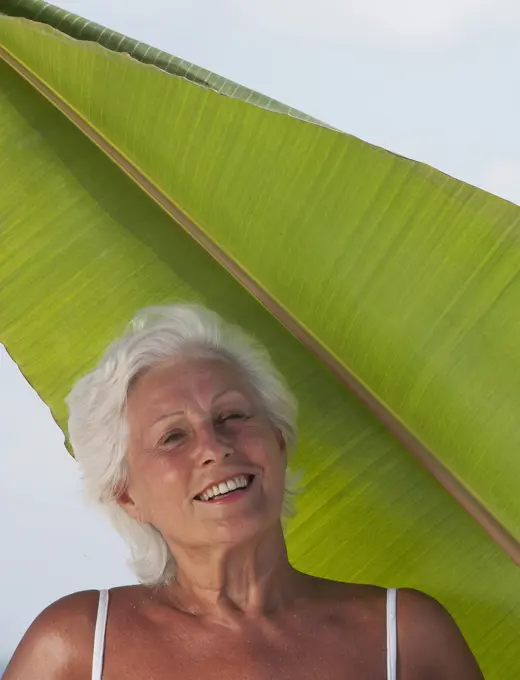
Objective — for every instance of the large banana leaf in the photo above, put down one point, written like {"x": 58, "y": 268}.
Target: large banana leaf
{"x": 402, "y": 280}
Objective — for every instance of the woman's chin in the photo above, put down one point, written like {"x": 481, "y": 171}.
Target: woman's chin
{"x": 242, "y": 528}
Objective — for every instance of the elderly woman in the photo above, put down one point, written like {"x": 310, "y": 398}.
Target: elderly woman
{"x": 182, "y": 433}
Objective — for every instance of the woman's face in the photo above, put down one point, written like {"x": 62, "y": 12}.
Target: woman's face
{"x": 205, "y": 464}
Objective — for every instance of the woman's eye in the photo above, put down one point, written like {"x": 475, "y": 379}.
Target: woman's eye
{"x": 234, "y": 415}
{"x": 173, "y": 437}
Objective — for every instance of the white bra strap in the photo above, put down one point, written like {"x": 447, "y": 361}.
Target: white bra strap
{"x": 99, "y": 636}
{"x": 391, "y": 634}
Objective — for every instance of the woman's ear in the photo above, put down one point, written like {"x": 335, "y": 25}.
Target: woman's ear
{"x": 124, "y": 499}
{"x": 281, "y": 441}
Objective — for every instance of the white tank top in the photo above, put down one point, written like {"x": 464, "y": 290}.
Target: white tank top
{"x": 391, "y": 635}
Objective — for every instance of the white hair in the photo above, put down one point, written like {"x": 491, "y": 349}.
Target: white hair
{"x": 98, "y": 430}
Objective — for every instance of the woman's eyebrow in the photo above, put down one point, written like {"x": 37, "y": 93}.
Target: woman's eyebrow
{"x": 228, "y": 390}
{"x": 168, "y": 415}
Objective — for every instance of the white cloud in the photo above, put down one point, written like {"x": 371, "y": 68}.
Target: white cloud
{"x": 395, "y": 21}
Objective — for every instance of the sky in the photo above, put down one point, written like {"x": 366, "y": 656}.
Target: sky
{"x": 436, "y": 81}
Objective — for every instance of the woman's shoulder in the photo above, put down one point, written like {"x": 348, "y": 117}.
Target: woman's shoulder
{"x": 413, "y": 604}
{"x": 429, "y": 641}
{"x": 347, "y": 594}
{"x": 417, "y": 612}
{"x": 429, "y": 638}
{"x": 58, "y": 644}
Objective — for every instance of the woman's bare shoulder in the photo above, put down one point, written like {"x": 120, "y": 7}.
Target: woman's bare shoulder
{"x": 350, "y": 604}
{"x": 429, "y": 639}
{"x": 58, "y": 644}
{"x": 355, "y": 594}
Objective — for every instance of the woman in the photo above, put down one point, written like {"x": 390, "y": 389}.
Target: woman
{"x": 182, "y": 433}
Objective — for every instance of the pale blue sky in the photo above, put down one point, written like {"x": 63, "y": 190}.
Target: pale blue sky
{"x": 437, "y": 81}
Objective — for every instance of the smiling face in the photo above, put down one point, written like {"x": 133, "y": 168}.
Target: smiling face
{"x": 195, "y": 423}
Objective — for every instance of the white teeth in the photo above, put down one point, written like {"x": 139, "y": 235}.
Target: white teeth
{"x": 239, "y": 482}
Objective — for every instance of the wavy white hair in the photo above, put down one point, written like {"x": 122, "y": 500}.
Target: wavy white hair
{"x": 97, "y": 425}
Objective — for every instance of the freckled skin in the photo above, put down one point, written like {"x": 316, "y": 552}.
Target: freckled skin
{"x": 237, "y": 610}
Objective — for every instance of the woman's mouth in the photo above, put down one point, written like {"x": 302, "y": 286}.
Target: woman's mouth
{"x": 234, "y": 486}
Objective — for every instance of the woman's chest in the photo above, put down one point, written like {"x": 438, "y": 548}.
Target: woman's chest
{"x": 321, "y": 654}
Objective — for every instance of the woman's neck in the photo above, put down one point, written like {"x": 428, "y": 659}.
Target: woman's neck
{"x": 253, "y": 579}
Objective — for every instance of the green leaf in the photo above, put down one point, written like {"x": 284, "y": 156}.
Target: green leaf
{"x": 402, "y": 279}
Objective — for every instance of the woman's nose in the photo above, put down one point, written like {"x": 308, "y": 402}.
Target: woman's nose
{"x": 213, "y": 447}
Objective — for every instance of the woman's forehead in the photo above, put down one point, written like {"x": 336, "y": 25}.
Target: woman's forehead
{"x": 181, "y": 379}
